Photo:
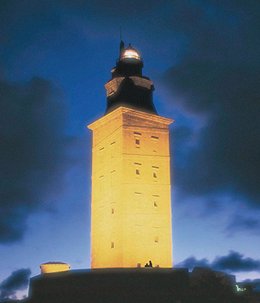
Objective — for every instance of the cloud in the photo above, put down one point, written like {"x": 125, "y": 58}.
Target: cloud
{"x": 192, "y": 262}
{"x": 236, "y": 262}
{"x": 18, "y": 280}
{"x": 217, "y": 78}
{"x": 243, "y": 223}
{"x": 33, "y": 152}
{"x": 232, "y": 262}
{"x": 229, "y": 144}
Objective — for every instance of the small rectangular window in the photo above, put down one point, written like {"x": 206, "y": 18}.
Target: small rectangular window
{"x": 137, "y": 134}
{"x": 101, "y": 148}
{"x": 112, "y": 143}
{"x": 137, "y": 172}
{"x": 112, "y": 244}
{"x": 155, "y": 204}
{"x": 154, "y": 175}
{"x": 155, "y": 137}
{"x": 156, "y": 239}
{"x": 137, "y": 141}
{"x": 136, "y": 163}
{"x": 112, "y": 211}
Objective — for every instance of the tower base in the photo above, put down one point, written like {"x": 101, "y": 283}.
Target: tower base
{"x": 134, "y": 285}
{"x": 111, "y": 285}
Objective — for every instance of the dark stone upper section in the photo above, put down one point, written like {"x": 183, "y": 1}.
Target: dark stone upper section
{"x": 128, "y": 87}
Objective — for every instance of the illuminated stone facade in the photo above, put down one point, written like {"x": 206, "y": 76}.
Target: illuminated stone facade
{"x": 131, "y": 188}
{"x": 131, "y": 197}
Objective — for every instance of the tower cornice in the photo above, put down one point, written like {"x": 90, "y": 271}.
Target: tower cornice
{"x": 131, "y": 113}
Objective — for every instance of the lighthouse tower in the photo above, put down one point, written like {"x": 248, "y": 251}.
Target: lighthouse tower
{"x": 131, "y": 188}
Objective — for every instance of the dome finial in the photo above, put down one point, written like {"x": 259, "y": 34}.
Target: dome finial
{"x": 122, "y": 44}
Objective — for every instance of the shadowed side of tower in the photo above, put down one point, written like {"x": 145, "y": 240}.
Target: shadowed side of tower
{"x": 131, "y": 195}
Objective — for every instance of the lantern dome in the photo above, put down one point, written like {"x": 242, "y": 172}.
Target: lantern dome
{"x": 130, "y": 53}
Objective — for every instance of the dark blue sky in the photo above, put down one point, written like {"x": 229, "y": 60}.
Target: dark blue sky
{"x": 55, "y": 57}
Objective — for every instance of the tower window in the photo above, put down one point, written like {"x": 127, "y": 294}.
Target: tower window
{"x": 154, "y": 137}
{"x": 155, "y": 204}
{"x": 137, "y": 170}
{"x": 155, "y": 141}
{"x": 137, "y": 139}
{"x": 112, "y": 245}
{"x": 137, "y": 134}
{"x": 156, "y": 239}
{"x": 112, "y": 142}
{"x": 112, "y": 211}
{"x": 155, "y": 169}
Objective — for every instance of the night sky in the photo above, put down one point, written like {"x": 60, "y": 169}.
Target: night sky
{"x": 55, "y": 57}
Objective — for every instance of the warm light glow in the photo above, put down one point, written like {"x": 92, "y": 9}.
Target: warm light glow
{"x": 130, "y": 54}
{"x": 123, "y": 166}
{"x": 52, "y": 267}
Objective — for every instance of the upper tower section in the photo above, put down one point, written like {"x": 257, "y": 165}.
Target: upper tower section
{"x": 128, "y": 87}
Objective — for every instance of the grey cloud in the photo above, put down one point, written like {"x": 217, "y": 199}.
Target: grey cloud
{"x": 192, "y": 262}
{"x": 218, "y": 77}
{"x": 232, "y": 262}
{"x": 229, "y": 144}
{"x": 236, "y": 262}
{"x": 33, "y": 152}
{"x": 18, "y": 280}
{"x": 240, "y": 223}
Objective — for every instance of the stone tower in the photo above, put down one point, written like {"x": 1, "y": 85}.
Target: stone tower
{"x": 131, "y": 189}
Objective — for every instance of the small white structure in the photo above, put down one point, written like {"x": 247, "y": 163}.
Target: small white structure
{"x": 52, "y": 267}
